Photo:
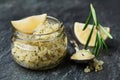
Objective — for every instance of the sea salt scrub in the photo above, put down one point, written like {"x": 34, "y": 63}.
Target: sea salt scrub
{"x": 43, "y": 49}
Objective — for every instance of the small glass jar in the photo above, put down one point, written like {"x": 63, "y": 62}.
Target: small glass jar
{"x": 40, "y": 51}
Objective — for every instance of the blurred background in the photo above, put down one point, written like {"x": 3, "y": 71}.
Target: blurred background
{"x": 68, "y": 11}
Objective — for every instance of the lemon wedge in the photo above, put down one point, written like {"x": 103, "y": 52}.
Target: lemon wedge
{"x": 82, "y": 36}
{"x": 28, "y": 24}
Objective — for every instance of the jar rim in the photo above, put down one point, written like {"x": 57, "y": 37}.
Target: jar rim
{"x": 48, "y": 17}
{"x": 60, "y": 25}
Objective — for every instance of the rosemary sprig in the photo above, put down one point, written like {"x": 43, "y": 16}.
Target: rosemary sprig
{"x": 99, "y": 42}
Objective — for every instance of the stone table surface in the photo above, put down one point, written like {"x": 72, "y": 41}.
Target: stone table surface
{"x": 68, "y": 11}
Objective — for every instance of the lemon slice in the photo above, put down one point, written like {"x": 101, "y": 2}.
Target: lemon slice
{"x": 82, "y": 36}
{"x": 28, "y": 24}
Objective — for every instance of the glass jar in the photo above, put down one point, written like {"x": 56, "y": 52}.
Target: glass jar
{"x": 40, "y": 51}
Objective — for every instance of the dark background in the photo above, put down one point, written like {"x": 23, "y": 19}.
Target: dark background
{"x": 68, "y": 11}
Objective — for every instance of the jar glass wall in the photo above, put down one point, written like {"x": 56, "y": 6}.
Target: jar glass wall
{"x": 40, "y": 51}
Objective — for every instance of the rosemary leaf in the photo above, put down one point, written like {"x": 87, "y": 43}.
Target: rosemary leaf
{"x": 89, "y": 37}
{"x": 105, "y": 45}
{"x": 105, "y": 31}
{"x": 98, "y": 50}
{"x": 87, "y": 21}
{"x": 95, "y": 46}
{"x": 93, "y": 14}
{"x": 100, "y": 44}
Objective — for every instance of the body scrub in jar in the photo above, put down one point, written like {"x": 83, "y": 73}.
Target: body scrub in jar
{"x": 44, "y": 47}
